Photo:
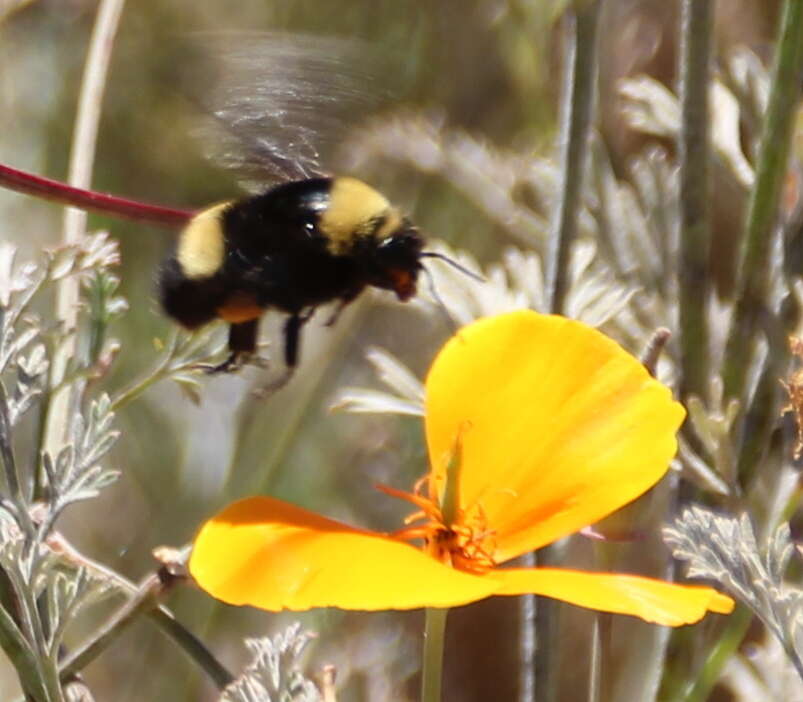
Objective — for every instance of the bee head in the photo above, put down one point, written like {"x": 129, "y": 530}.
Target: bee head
{"x": 396, "y": 261}
{"x": 359, "y": 222}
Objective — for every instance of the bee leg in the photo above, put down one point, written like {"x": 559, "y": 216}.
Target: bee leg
{"x": 292, "y": 338}
{"x": 341, "y": 305}
{"x": 242, "y": 344}
{"x": 292, "y": 344}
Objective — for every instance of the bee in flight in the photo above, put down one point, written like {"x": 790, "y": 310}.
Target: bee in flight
{"x": 311, "y": 239}
{"x": 296, "y": 246}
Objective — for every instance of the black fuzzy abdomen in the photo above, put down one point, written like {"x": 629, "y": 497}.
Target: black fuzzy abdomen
{"x": 293, "y": 284}
{"x": 191, "y": 302}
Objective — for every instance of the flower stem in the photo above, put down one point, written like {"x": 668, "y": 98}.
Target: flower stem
{"x": 434, "y": 631}
{"x": 595, "y": 665}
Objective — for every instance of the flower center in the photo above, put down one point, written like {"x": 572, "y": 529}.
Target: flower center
{"x": 466, "y": 544}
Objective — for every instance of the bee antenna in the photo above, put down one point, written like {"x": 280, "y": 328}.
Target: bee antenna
{"x": 454, "y": 264}
{"x": 439, "y": 300}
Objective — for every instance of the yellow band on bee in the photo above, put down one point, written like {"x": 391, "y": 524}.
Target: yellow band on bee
{"x": 354, "y": 208}
{"x": 201, "y": 246}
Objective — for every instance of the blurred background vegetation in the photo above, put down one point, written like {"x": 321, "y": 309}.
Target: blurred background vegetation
{"x": 489, "y": 67}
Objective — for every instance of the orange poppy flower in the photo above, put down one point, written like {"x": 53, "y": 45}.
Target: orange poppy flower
{"x": 537, "y": 426}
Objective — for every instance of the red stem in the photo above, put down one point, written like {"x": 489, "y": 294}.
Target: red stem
{"x": 120, "y": 207}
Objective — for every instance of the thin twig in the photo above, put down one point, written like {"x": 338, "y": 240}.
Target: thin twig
{"x": 160, "y": 614}
{"x": 193, "y": 647}
{"x": 148, "y": 595}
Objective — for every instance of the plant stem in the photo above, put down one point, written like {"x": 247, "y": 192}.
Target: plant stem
{"x": 19, "y": 652}
{"x": 725, "y": 647}
{"x": 577, "y": 112}
{"x": 160, "y": 615}
{"x": 82, "y": 158}
{"x": 45, "y": 657}
{"x": 161, "y": 370}
{"x": 10, "y": 470}
{"x": 527, "y": 639}
{"x": 91, "y": 200}
{"x": 191, "y": 645}
{"x": 595, "y": 664}
{"x": 580, "y": 83}
{"x": 195, "y": 649}
{"x": 763, "y": 206}
{"x": 761, "y": 416}
{"x": 435, "y": 621}
{"x": 146, "y": 601}
{"x": 432, "y": 673}
{"x": 694, "y": 194}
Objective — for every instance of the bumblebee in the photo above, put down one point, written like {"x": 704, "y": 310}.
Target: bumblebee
{"x": 294, "y": 247}
{"x": 309, "y": 240}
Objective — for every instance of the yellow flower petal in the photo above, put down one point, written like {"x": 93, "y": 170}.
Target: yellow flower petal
{"x": 654, "y": 601}
{"x": 559, "y": 425}
{"x": 270, "y": 554}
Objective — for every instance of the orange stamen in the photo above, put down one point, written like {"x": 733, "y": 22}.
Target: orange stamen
{"x": 427, "y": 506}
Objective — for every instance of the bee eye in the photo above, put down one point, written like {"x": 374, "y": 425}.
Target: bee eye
{"x": 309, "y": 227}
{"x": 402, "y": 240}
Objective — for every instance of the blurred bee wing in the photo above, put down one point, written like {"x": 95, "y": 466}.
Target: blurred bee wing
{"x": 279, "y": 103}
